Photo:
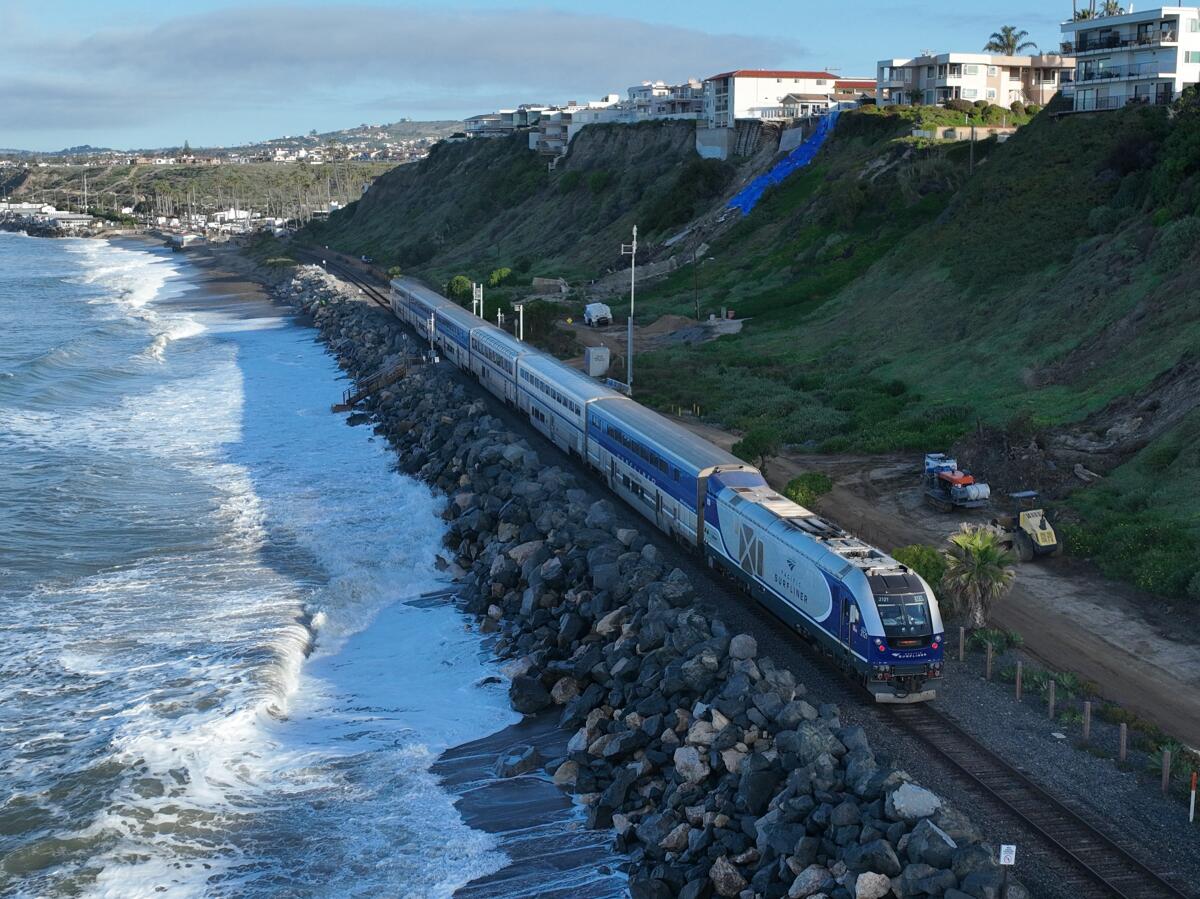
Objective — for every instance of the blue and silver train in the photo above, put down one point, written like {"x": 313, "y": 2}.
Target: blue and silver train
{"x": 873, "y": 615}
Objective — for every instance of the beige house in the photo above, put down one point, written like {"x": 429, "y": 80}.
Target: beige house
{"x": 935, "y": 79}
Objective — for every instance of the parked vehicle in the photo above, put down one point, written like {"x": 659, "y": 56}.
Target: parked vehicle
{"x": 947, "y": 488}
{"x": 1025, "y": 530}
{"x": 597, "y": 315}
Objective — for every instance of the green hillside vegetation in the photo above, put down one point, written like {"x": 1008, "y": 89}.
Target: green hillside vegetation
{"x": 897, "y": 297}
{"x": 478, "y": 206}
{"x": 254, "y": 185}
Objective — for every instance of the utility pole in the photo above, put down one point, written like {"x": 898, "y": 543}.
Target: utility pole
{"x": 520, "y": 307}
{"x": 696, "y": 281}
{"x": 630, "y": 250}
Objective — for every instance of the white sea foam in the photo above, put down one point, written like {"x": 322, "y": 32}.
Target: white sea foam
{"x": 257, "y": 704}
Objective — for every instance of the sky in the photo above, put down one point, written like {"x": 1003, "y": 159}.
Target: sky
{"x": 136, "y": 73}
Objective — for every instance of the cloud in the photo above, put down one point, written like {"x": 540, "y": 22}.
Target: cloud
{"x": 456, "y": 54}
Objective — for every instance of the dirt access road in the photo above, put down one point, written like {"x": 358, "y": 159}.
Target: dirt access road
{"x": 1070, "y": 618}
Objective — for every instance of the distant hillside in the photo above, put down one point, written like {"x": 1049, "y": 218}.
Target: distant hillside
{"x": 1038, "y": 311}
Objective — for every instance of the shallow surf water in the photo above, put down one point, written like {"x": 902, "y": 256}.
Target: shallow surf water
{"x": 212, "y": 682}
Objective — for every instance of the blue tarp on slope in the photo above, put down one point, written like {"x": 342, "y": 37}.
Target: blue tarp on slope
{"x": 748, "y": 197}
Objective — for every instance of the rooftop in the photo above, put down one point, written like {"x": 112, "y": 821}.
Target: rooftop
{"x": 770, "y": 73}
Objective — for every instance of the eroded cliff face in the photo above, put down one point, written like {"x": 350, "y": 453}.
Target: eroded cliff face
{"x": 491, "y": 202}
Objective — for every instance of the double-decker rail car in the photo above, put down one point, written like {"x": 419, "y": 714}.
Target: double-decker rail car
{"x": 873, "y": 615}
{"x": 417, "y": 305}
{"x": 657, "y": 466}
{"x": 494, "y": 355}
{"x": 454, "y": 326}
{"x": 555, "y": 397}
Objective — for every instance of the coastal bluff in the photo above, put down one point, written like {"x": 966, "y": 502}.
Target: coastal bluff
{"x": 717, "y": 772}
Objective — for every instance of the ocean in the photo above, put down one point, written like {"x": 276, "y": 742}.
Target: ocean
{"x": 215, "y": 679}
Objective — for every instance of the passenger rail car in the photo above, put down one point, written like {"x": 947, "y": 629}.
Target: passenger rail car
{"x": 877, "y": 618}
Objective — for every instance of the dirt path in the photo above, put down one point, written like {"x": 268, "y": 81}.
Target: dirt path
{"x": 1070, "y": 618}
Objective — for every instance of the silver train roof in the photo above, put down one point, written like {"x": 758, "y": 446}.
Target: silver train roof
{"x": 670, "y": 436}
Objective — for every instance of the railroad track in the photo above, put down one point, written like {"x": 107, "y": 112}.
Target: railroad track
{"x": 373, "y": 293}
{"x": 1099, "y": 867}
{"x": 1096, "y": 866}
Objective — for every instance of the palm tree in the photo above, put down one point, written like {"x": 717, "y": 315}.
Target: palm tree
{"x": 1088, "y": 12}
{"x": 978, "y": 571}
{"x": 1112, "y": 8}
{"x": 1008, "y": 41}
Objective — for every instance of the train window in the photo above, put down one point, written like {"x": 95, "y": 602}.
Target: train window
{"x": 904, "y": 616}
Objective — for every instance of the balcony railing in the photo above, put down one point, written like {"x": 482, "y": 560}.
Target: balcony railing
{"x": 1097, "y": 104}
{"x": 1117, "y": 42}
{"x": 1142, "y": 70}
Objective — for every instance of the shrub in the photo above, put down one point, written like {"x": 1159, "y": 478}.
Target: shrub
{"x": 599, "y": 180}
{"x": 1177, "y": 241}
{"x": 1032, "y": 109}
{"x": 998, "y": 638}
{"x": 499, "y": 276}
{"x": 1103, "y": 219}
{"x": 960, "y": 105}
{"x": 982, "y": 104}
{"x": 1017, "y": 107}
{"x": 807, "y": 488}
{"x": 394, "y": 272}
{"x": 925, "y": 561}
{"x": 568, "y": 182}
{"x": 1070, "y": 717}
{"x": 758, "y": 445}
{"x": 459, "y": 287}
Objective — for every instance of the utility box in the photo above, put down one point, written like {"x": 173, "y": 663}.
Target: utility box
{"x": 596, "y": 360}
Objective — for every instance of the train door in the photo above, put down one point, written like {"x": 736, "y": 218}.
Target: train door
{"x": 658, "y": 511}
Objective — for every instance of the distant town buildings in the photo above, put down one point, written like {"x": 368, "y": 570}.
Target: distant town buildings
{"x": 1137, "y": 57}
{"x": 934, "y": 79}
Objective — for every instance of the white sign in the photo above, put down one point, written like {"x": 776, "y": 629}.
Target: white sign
{"x": 1008, "y": 854}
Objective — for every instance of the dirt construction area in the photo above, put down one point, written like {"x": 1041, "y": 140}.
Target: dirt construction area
{"x": 1071, "y": 619}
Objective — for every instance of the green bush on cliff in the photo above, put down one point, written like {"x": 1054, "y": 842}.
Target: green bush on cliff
{"x": 925, "y": 561}
{"x": 806, "y": 489}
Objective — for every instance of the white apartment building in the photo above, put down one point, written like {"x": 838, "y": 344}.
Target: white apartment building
{"x": 1138, "y": 57}
{"x": 505, "y": 121}
{"x": 759, "y": 93}
{"x": 659, "y": 100}
{"x": 557, "y": 126}
{"x": 932, "y": 79}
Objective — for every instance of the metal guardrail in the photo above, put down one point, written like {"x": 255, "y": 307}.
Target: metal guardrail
{"x": 1116, "y": 42}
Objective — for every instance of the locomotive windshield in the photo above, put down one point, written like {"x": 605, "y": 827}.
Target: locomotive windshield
{"x": 904, "y": 616}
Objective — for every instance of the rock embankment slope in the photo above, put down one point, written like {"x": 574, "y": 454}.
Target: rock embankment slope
{"x": 718, "y": 773}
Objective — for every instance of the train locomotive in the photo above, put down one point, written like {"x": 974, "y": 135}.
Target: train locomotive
{"x": 872, "y": 615}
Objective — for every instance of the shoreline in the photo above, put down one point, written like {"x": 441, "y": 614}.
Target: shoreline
{"x": 502, "y": 807}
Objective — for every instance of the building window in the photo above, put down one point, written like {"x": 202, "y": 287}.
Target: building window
{"x": 820, "y": 81}
{"x": 1191, "y": 57}
{"x": 970, "y": 93}
{"x": 971, "y": 70}
{"x": 1193, "y": 25}
{"x": 991, "y": 93}
{"x": 992, "y": 70}
{"x": 930, "y": 71}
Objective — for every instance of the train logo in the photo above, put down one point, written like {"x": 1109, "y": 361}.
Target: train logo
{"x": 752, "y": 551}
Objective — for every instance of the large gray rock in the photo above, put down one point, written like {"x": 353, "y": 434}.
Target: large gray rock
{"x": 871, "y": 885}
{"x": 809, "y": 882}
{"x": 908, "y": 802}
{"x": 877, "y": 856}
{"x": 930, "y": 845}
{"x": 727, "y": 881}
{"x": 689, "y": 765}
{"x": 743, "y": 646}
{"x": 518, "y": 760}
{"x": 527, "y": 695}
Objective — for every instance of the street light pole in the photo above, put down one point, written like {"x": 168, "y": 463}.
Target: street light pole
{"x": 630, "y": 250}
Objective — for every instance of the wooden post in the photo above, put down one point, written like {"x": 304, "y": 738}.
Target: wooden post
{"x": 1122, "y": 746}
{"x": 988, "y": 672}
{"x": 1019, "y": 668}
{"x": 1166, "y": 780}
{"x": 1087, "y": 721}
{"x": 962, "y": 642}
{"x": 1050, "y": 700}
